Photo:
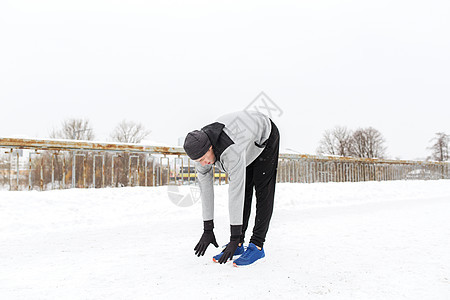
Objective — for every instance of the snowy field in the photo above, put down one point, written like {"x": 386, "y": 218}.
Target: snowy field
{"x": 373, "y": 240}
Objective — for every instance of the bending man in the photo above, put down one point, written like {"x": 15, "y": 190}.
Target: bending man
{"x": 245, "y": 145}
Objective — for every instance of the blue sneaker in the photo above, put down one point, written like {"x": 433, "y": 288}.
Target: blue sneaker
{"x": 239, "y": 251}
{"x": 250, "y": 255}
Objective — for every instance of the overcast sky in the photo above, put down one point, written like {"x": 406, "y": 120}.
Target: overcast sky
{"x": 176, "y": 66}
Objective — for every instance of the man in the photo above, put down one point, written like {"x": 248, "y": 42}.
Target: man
{"x": 245, "y": 145}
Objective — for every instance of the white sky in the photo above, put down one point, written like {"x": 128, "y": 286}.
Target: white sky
{"x": 176, "y": 66}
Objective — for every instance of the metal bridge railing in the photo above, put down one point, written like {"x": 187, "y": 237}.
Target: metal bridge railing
{"x": 27, "y": 164}
{"x": 312, "y": 168}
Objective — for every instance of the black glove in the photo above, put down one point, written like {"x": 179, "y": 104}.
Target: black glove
{"x": 229, "y": 250}
{"x": 206, "y": 239}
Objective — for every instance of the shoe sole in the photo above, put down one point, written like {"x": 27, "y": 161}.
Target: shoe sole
{"x": 262, "y": 259}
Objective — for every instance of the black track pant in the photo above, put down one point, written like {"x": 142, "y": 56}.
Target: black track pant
{"x": 262, "y": 175}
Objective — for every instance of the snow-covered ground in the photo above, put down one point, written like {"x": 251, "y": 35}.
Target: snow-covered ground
{"x": 372, "y": 240}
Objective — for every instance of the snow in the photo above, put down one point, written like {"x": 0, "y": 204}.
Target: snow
{"x": 368, "y": 240}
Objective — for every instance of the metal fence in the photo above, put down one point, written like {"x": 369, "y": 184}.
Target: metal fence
{"x": 27, "y": 164}
{"x": 311, "y": 168}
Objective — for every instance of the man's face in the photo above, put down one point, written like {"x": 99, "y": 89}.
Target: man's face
{"x": 207, "y": 159}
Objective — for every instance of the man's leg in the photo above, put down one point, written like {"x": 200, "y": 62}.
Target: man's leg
{"x": 264, "y": 178}
{"x": 249, "y": 185}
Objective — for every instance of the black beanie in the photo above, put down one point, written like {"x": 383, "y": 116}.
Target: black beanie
{"x": 196, "y": 144}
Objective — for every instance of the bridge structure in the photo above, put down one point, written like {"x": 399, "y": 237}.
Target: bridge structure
{"x": 43, "y": 164}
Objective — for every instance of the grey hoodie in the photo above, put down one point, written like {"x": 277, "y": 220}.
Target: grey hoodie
{"x": 237, "y": 139}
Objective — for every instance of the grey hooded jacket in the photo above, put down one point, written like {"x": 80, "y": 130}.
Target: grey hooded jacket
{"x": 237, "y": 140}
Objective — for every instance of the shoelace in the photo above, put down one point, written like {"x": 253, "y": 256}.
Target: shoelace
{"x": 247, "y": 252}
{"x": 224, "y": 246}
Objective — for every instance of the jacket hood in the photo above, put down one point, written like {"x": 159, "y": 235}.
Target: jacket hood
{"x": 218, "y": 138}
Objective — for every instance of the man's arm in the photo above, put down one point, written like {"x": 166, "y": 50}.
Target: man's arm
{"x": 234, "y": 161}
{"x": 205, "y": 179}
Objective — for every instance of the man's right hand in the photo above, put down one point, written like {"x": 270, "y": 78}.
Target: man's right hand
{"x": 207, "y": 238}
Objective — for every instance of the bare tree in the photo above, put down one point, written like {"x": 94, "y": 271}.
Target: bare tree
{"x": 129, "y": 132}
{"x": 74, "y": 129}
{"x": 336, "y": 142}
{"x": 359, "y": 143}
{"x": 439, "y": 150}
{"x": 368, "y": 143}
